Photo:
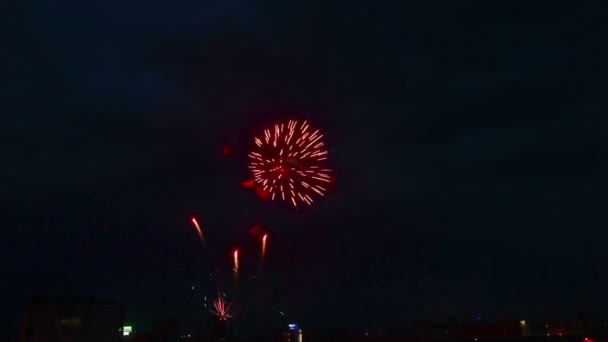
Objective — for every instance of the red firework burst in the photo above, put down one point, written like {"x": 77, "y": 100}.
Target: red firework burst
{"x": 287, "y": 162}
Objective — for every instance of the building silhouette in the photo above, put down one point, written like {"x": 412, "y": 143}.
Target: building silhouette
{"x": 293, "y": 334}
{"x": 165, "y": 331}
{"x": 72, "y": 320}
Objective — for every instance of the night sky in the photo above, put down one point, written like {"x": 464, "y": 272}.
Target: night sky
{"x": 468, "y": 140}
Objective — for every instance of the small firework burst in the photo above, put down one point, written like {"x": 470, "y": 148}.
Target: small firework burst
{"x": 221, "y": 309}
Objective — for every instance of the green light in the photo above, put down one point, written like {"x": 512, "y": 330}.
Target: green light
{"x": 127, "y": 329}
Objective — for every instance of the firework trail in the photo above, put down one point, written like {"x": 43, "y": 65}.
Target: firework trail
{"x": 287, "y": 163}
{"x": 212, "y": 263}
{"x": 198, "y": 230}
{"x": 264, "y": 241}
{"x": 235, "y": 260}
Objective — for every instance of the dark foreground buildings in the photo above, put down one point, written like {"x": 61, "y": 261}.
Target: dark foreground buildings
{"x": 165, "y": 331}
{"x": 72, "y": 320}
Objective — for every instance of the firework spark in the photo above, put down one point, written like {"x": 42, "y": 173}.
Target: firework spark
{"x": 287, "y": 162}
{"x": 222, "y": 310}
{"x": 198, "y": 229}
